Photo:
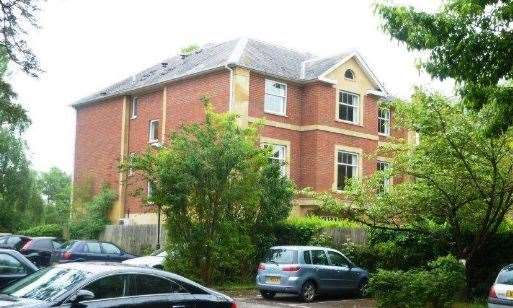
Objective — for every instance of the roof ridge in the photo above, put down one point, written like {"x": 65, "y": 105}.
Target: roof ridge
{"x": 238, "y": 50}
{"x": 305, "y": 53}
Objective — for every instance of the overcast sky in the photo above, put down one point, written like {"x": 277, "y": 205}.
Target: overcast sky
{"x": 86, "y": 45}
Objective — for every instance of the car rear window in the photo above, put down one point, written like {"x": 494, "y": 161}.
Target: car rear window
{"x": 43, "y": 244}
{"x": 505, "y": 277}
{"x": 281, "y": 256}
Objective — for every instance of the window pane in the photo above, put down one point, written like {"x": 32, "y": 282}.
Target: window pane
{"x": 92, "y": 247}
{"x": 306, "y": 257}
{"x": 274, "y": 104}
{"x": 108, "y": 287}
{"x": 337, "y": 259}
{"x": 147, "y": 284}
{"x": 109, "y": 248}
{"x": 281, "y": 256}
{"x": 319, "y": 257}
{"x": 9, "y": 265}
{"x": 275, "y": 88}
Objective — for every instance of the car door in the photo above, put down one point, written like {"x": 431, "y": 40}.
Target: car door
{"x": 322, "y": 269}
{"x": 112, "y": 253}
{"x": 341, "y": 271}
{"x": 145, "y": 288}
{"x": 11, "y": 269}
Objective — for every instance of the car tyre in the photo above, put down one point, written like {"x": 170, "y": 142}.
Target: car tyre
{"x": 308, "y": 291}
{"x": 267, "y": 294}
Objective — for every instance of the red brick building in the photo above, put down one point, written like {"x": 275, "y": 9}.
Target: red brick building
{"x": 321, "y": 115}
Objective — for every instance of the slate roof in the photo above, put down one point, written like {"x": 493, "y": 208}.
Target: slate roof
{"x": 255, "y": 55}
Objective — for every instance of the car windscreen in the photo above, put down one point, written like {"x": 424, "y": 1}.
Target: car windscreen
{"x": 505, "y": 277}
{"x": 67, "y": 245}
{"x": 281, "y": 256}
{"x": 47, "y": 284}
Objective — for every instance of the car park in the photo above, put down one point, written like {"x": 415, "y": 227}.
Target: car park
{"x": 102, "y": 284}
{"x": 89, "y": 250}
{"x": 15, "y": 242}
{"x": 501, "y": 292}
{"x": 155, "y": 260}
{"x": 308, "y": 271}
{"x": 13, "y": 267}
{"x": 42, "y": 251}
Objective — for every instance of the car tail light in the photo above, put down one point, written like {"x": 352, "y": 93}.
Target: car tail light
{"x": 66, "y": 255}
{"x": 292, "y": 268}
{"x": 27, "y": 246}
{"x": 492, "y": 293}
{"x": 233, "y": 305}
{"x": 261, "y": 267}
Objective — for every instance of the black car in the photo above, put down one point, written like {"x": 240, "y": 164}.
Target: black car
{"x": 13, "y": 266}
{"x": 97, "y": 284}
{"x": 15, "y": 242}
{"x": 92, "y": 251}
{"x": 42, "y": 251}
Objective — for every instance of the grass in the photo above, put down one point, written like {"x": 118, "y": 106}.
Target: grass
{"x": 242, "y": 289}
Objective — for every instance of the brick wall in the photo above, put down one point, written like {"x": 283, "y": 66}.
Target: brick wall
{"x": 98, "y": 144}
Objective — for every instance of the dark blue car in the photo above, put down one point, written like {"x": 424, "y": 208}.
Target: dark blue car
{"x": 89, "y": 250}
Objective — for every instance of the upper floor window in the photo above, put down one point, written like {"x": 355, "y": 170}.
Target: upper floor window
{"x": 275, "y": 97}
{"x": 347, "y": 168}
{"x": 279, "y": 155}
{"x": 384, "y": 121}
{"x": 134, "y": 108}
{"x": 154, "y": 131}
{"x": 383, "y": 166}
{"x": 349, "y": 74}
{"x": 348, "y": 107}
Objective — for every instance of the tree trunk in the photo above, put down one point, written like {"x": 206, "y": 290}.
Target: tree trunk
{"x": 468, "y": 277}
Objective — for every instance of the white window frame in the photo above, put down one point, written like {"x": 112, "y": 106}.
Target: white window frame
{"x": 386, "y": 119}
{"x": 269, "y": 82}
{"x": 152, "y": 137}
{"x": 149, "y": 192}
{"x": 134, "y": 107}
{"x": 355, "y": 166}
{"x": 356, "y": 108}
{"x": 386, "y": 181}
{"x": 281, "y": 149}
{"x": 130, "y": 170}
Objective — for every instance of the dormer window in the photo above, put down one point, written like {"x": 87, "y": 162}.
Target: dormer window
{"x": 349, "y": 74}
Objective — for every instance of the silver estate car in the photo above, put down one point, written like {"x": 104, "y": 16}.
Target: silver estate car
{"x": 308, "y": 271}
{"x": 501, "y": 293}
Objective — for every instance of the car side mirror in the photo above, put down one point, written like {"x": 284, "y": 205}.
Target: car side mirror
{"x": 82, "y": 295}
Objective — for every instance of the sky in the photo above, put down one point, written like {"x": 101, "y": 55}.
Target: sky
{"x": 84, "y": 46}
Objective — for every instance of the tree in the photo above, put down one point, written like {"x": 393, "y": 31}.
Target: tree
{"x": 460, "y": 181}
{"x": 218, "y": 190}
{"x": 55, "y": 188}
{"x": 470, "y": 41}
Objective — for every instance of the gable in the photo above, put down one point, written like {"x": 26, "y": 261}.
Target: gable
{"x": 361, "y": 82}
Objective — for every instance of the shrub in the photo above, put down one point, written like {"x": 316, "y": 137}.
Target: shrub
{"x": 90, "y": 224}
{"x": 439, "y": 284}
{"x": 44, "y": 230}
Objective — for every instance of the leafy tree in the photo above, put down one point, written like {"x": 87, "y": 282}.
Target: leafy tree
{"x": 55, "y": 188}
{"x": 470, "y": 41}
{"x": 219, "y": 191}
{"x": 460, "y": 181}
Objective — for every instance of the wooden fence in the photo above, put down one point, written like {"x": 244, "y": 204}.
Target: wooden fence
{"x": 139, "y": 239}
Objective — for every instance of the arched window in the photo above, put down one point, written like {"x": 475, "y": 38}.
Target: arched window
{"x": 349, "y": 74}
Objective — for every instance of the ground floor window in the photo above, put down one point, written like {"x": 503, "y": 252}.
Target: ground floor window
{"x": 385, "y": 184}
{"x": 347, "y": 168}
{"x": 279, "y": 156}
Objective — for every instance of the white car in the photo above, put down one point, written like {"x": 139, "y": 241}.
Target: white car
{"x": 501, "y": 293}
{"x": 155, "y": 260}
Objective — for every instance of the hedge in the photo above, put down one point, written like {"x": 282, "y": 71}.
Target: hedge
{"x": 54, "y": 230}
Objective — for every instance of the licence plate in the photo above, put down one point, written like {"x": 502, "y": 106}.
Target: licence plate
{"x": 509, "y": 293}
{"x": 273, "y": 280}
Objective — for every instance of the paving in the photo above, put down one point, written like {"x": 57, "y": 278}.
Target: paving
{"x": 292, "y": 301}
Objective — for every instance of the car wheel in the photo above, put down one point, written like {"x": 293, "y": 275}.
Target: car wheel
{"x": 362, "y": 289}
{"x": 308, "y": 291}
{"x": 267, "y": 294}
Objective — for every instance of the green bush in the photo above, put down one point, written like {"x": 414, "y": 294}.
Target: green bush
{"x": 91, "y": 223}
{"x": 307, "y": 230}
{"x": 44, "y": 230}
{"x": 439, "y": 285}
